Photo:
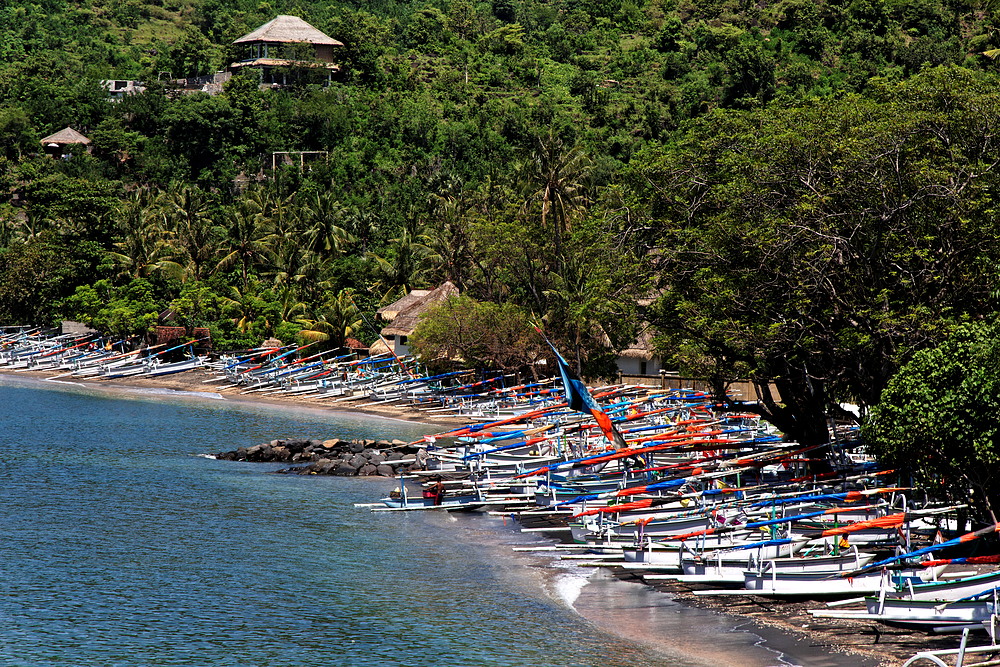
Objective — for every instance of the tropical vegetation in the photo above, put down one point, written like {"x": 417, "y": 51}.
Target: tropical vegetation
{"x": 802, "y": 193}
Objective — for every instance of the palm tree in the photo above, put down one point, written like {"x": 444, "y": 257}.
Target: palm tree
{"x": 322, "y": 214}
{"x": 449, "y": 244}
{"x": 31, "y": 225}
{"x": 555, "y": 177}
{"x": 293, "y": 269}
{"x": 280, "y": 215}
{"x": 143, "y": 246}
{"x": 403, "y": 267}
{"x": 247, "y": 240}
{"x": 337, "y": 319}
{"x": 578, "y": 301}
{"x": 186, "y": 211}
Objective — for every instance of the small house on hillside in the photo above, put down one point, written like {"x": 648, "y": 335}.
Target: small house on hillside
{"x": 58, "y": 144}
{"x": 404, "y": 314}
{"x": 118, "y": 89}
{"x": 285, "y": 43}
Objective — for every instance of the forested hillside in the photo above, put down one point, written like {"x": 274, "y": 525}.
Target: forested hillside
{"x": 805, "y": 191}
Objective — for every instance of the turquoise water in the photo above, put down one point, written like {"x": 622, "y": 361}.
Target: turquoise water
{"x": 122, "y": 544}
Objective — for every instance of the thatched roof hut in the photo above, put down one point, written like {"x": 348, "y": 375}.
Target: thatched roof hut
{"x": 285, "y": 29}
{"x": 379, "y": 347}
{"x": 65, "y": 137}
{"x": 389, "y": 313}
{"x": 405, "y": 320}
{"x": 642, "y": 348}
{"x": 287, "y": 42}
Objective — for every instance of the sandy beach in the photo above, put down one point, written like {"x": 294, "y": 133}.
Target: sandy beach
{"x": 875, "y": 643}
{"x": 194, "y": 382}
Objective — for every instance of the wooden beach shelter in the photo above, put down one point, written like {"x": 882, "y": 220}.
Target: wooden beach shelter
{"x": 404, "y": 315}
{"x": 56, "y": 144}
{"x": 284, "y": 44}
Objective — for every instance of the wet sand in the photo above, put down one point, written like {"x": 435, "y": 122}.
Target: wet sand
{"x": 873, "y": 643}
{"x": 698, "y": 635}
{"x": 640, "y": 611}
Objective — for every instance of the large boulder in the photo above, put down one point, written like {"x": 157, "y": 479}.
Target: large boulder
{"x": 367, "y": 470}
{"x": 345, "y": 470}
{"x": 324, "y": 467}
{"x": 358, "y": 460}
{"x": 385, "y": 471}
{"x": 259, "y": 453}
{"x": 356, "y": 447}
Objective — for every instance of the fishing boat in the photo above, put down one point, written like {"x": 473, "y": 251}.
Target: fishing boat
{"x": 919, "y": 614}
{"x": 729, "y": 571}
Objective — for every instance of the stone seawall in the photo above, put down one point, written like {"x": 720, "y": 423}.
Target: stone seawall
{"x": 346, "y": 458}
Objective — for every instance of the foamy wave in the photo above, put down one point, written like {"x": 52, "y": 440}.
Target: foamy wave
{"x": 569, "y": 585}
{"x": 176, "y": 392}
{"x": 204, "y": 456}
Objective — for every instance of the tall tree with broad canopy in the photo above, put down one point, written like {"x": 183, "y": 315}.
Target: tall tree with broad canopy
{"x": 817, "y": 247}
{"x": 485, "y": 335}
{"x": 938, "y": 419}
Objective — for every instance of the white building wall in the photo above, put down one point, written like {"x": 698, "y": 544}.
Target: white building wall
{"x": 632, "y": 366}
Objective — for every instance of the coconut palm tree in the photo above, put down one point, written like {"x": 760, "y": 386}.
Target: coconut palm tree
{"x": 247, "y": 240}
{"x": 143, "y": 246}
{"x": 555, "y": 182}
{"x": 337, "y": 319}
{"x": 323, "y": 215}
{"x": 403, "y": 266}
{"x": 187, "y": 214}
{"x": 449, "y": 244}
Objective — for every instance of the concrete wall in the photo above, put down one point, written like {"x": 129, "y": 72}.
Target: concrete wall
{"x": 399, "y": 348}
{"x": 631, "y": 366}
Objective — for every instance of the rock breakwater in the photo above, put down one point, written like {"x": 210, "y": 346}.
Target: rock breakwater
{"x": 345, "y": 458}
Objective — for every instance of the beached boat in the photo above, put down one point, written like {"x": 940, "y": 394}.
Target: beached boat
{"x": 729, "y": 571}
{"x": 774, "y": 582}
{"x": 920, "y": 614}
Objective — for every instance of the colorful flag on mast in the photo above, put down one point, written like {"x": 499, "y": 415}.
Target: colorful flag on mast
{"x": 578, "y": 398}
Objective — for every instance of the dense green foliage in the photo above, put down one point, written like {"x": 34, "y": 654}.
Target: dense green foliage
{"x": 821, "y": 245}
{"x": 938, "y": 418}
{"x": 485, "y": 335}
{"x": 804, "y": 188}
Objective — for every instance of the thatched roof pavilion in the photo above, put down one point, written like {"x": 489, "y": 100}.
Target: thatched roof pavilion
{"x": 389, "y": 313}
{"x": 279, "y": 44}
{"x": 642, "y": 348}
{"x": 65, "y": 137}
{"x": 285, "y": 29}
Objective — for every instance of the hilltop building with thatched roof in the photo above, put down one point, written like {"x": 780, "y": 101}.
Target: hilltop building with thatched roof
{"x": 55, "y": 144}
{"x": 404, "y": 315}
{"x": 287, "y": 43}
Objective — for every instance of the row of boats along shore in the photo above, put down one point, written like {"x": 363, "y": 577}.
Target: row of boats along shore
{"x": 716, "y": 501}
{"x": 667, "y": 485}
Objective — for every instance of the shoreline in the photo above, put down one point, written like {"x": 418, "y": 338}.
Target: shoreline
{"x": 774, "y": 620}
{"x": 192, "y": 383}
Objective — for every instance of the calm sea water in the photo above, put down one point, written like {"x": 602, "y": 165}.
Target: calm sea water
{"x": 121, "y": 544}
